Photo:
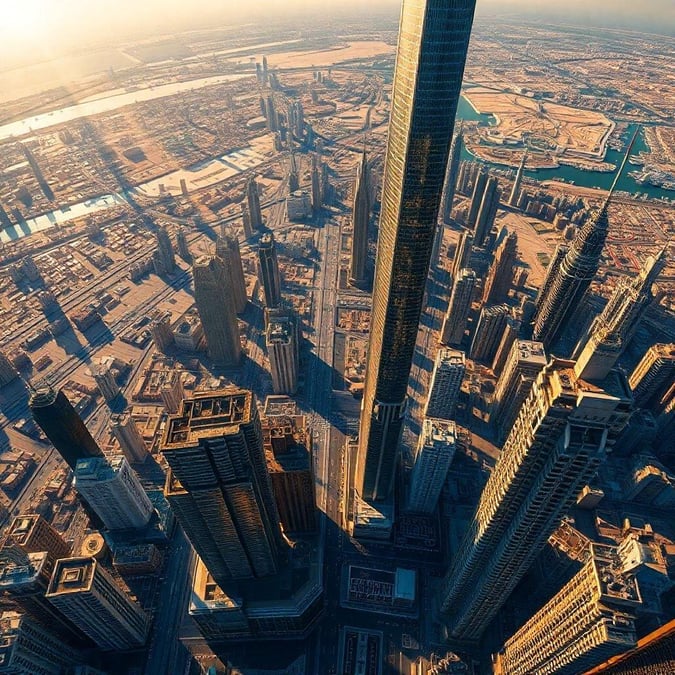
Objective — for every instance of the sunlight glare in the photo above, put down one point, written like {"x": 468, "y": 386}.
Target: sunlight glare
{"x": 23, "y": 19}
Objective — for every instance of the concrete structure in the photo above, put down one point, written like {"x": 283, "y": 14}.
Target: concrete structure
{"x": 487, "y": 211}
{"x": 62, "y": 425}
{"x": 182, "y": 244}
{"x": 104, "y": 376}
{"x": 476, "y": 198}
{"x": 113, "y": 491}
{"x": 8, "y": 372}
{"x": 446, "y": 382}
{"x": 499, "y": 278}
{"x": 293, "y": 176}
{"x": 451, "y": 174}
{"x": 131, "y": 442}
{"x": 560, "y": 437}
{"x": 269, "y": 270}
{"x": 86, "y": 593}
{"x": 164, "y": 258}
{"x": 589, "y": 620}
{"x": 526, "y": 360}
{"x": 172, "y": 391}
{"x": 253, "y": 203}
{"x": 509, "y": 336}
{"x": 653, "y": 380}
{"x": 217, "y": 310}
{"x": 283, "y": 348}
{"x": 489, "y": 332}
{"x": 515, "y": 190}
{"x": 317, "y": 196}
{"x": 462, "y": 257}
{"x": 429, "y": 69}
{"x": 219, "y": 487}
{"x": 227, "y": 249}
{"x": 360, "y": 220}
{"x": 298, "y": 205}
{"x": 435, "y": 452}
{"x": 31, "y": 533}
{"x": 188, "y": 334}
{"x": 161, "y": 332}
{"x": 459, "y": 308}
{"x": 246, "y": 221}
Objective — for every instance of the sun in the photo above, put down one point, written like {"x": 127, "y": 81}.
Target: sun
{"x": 23, "y": 19}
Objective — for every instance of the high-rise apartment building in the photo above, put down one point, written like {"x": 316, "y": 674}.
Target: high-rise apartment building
{"x": 459, "y": 307}
{"x": 431, "y": 55}
{"x": 500, "y": 276}
{"x": 446, "y": 383}
{"x": 360, "y": 220}
{"x": 219, "y": 487}
{"x": 113, "y": 491}
{"x": 293, "y": 175}
{"x": 269, "y": 270}
{"x": 165, "y": 260}
{"x": 589, "y": 620}
{"x": 253, "y": 203}
{"x": 227, "y": 249}
{"x": 161, "y": 332}
{"x": 526, "y": 360}
{"x": 282, "y": 342}
{"x": 86, "y": 593}
{"x": 487, "y": 211}
{"x": 132, "y": 444}
{"x": 462, "y": 257}
{"x": 489, "y": 332}
{"x": 182, "y": 245}
{"x": 246, "y": 221}
{"x": 451, "y": 174}
{"x": 317, "y": 196}
{"x": 217, "y": 310}
{"x": 31, "y": 533}
{"x": 509, "y": 336}
{"x": 62, "y": 425}
{"x": 435, "y": 451}
{"x": 477, "y": 194}
{"x": 611, "y": 331}
{"x": 653, "y": 380}
{"x": 7, "y": 371}
{"x": 515, "y": 190}
{"x": 558, "y": 440}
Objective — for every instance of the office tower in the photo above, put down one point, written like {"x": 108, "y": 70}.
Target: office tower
{"x": 227, "y": 249}
{"x": 271, "y": 114}
{"x": 217, "y": 310}
{"x": 253, "y": 201}
{"x": 316, "y": 183}
{"x": 446, "y": 383}
{"x": 429, "y": 67}
{"x": 113, "y": 491}
{"x": 487, "y": 211}
{"x": 653, "y": 380}
{"x": 360, "y": 220}
{"x": 498, "y": 282}
{"x": 567, "y": 285}
{"x": 462, "y": 257}
{"x": 489, "y": 332}
{"x": 269, "y": 270}
{"x": 105, "y": 381}
{"x": 515, "y": 191}
{"x": 287, "y": 444}
{"x": 7, "y": 371}
{"x": 282, "y": 342}
{"x": 86, "y": 593}
{"x": 509, "y": 336}
{"x": 561, "y": 435}
{"x": 219, "y": 487}
{"x": 611, "y": 331}
{"x": 27, "y": 648}
{"x": 552, "y": 270}
{"x": 293, "y": 176}
{"x": 54, "y": 414}
{"x": 165, "y": 256}
{"x": 246, "y": 222}
{"x": 435, "y": 451}
{"x": 459, "y": 307}
{"x": 131, "y": 442}
{"x": 451, "y": 175}
{"x": 172, "y": 392}
{"x": 31, "y": 533}
{"x": 476, "y": 199}
{"x": 589, "y": 620}
{"x": 161, "y": 332}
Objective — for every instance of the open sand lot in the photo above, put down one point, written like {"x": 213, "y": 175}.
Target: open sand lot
{"x": 323, "y": 58}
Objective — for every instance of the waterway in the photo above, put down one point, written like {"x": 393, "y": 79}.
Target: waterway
{"x": 570, "y": 174}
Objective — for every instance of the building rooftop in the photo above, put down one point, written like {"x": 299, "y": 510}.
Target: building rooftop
{"x": 280, "y": 405}
{"x": 448, "y": 356}
{"x": 532, "y": 352}
{"x": 22, "y": 526}
{"x": 98, "y": 468}
{"x": 19, "y": 570}
{"x": 616, "y": 587}
{"x": 72, "y": 575}
{"x": 279, "y": 329}
{"x": 439, "y": 431}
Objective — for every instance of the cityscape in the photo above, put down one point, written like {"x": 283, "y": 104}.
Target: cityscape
{"x": 340, "y": 344}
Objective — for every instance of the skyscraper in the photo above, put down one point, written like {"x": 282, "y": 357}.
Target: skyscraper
{"x": 253, "y": 202}
{"x": 113, "y": 491}
{"x": 219, "y": 487}
{"x": 227, "y": 249}
{"x": 459, "y": 308}
{"x": 498, "y": 281}
{"x": 293, "y": 176}
{"x": 360, "y": 220}
{"x": 269, "y": 270}
{"x": 62, "y": 425}
{"x": 476, "y": 198}
{"x": 653, "y": 379}
{"x": 85, "y": 592}
{"x": 515, "y": 191}
{"x": 446, "y": 382}
{"x": 165, "y": 260}
{"x": 182, "y": 245}
{"x": 589, "y": 620}
{"x": 557, "y": 442}
{"x": 435, "y": 451}
{"x": 217, "y": 310}
{"x": 612, "y": 330}
{"x": 246, "y": 221}
{"x": 317, "y": 199}
{"x": 509, "y": 336}
{"x": 131, "y": 441}
{"x": 31, "y": 533}
{"x": 567, "y": 285}
{"x": 451, "y": 175}
{"x": 432, "y": 48}
{"x": 489, "y": 331}
{"x": 282, "y": 342}
{"x": 487, "y": 211}
{"x": 462, "y": 257}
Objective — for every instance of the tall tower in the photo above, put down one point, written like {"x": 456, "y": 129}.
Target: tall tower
{"x": 131, "y": 442}
{"x": 560, "y": 437}
{"x": 432, "y": 48}
{"x": 269, "y": 270}
{"x": 498, "y": 282}
{"x": 219, "y": 487}
{"x": 489, "y": 332}
{"x": 253, "y": 201}
{"x": 165, "y": 255}
{"x": 216, "y": 310}
{"x": 459, "y": 307}
{"x": 476, "y": 198}
{"x": 451, "y": 175}
{"x": 653, "y": 380}
{"x": 462, "y": 257}
{"x": 569, "y": 283}
{"x": 435, "y": 452}
{"x": 487, "y": 211}
{"x": 515, "y": 191}
{"x": 246, "y": 221}
{"x": 360, "y": 221}
{"x": 113, "y": 491}
{"x": 32, "y": 534}
{"x": 89, "y": 597}
{"x": 445, "y": 383}
{"x": 293, "y": 176}
{"x": 589, "y": 620}
{"x": 227, "y": 249}
{"x": 316, "y": 183}
{"x": 62, "y": 425}
{"x": 612, "y": 330}
{"x": 281, "y": 340}
{"x": 182, "y": 245}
